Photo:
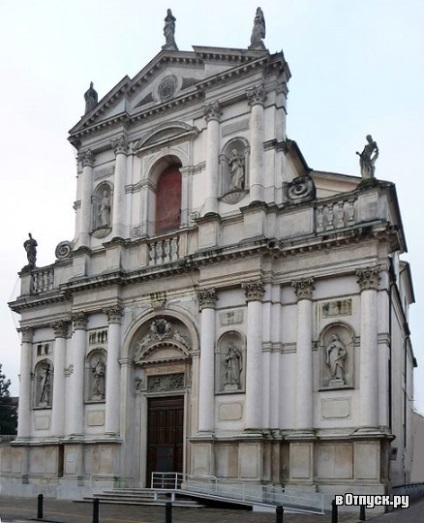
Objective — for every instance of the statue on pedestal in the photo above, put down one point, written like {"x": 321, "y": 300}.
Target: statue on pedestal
{"x": 30, "y": 246}
{"x": 169, "y": 31}
{"x": 336, "y": 357}
{"x": 236, "y": 163}
{"x": 258, "y": 31}
{"x": 91, "y": 98}
{"x": 367, "y": 158}
{"x": 233, "y": 368}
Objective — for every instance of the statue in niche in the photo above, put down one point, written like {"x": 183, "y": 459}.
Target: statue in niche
{"x": 45, "y": 387}
{"x": 258, "y": 32}
{"x": 91, "y": 98}
{"x": 169, "y": 31}
{"x": 30, "y": 246}
{"x": 233, "y": 367}
{"x": 103, "y": 211}
{"x": 99, "y": 372}
{"x": 367, "y": 158}
{"x": 236, "y": 164}
{"x": 336, "y": 358}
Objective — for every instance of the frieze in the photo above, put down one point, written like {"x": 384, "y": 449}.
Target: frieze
{"x": 165, "y": 382}
{"x": 336, "y": 308}
{"x": 231, "y": 317}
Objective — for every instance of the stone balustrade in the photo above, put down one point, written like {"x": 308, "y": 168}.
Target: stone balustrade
{"x": 335, "y": 214}
{"x": 42, "y": 280}
{"x": 164, "y": 250}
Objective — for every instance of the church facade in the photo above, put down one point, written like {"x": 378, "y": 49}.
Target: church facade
{"x": 223, "y": 310}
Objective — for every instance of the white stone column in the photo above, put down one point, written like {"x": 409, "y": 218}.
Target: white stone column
{"x": 368, "y": 279}
{"x": 275, "y": 378}
{"x": 24, "y": 409}
{"x": 212, "y": 112}
{"x": 120, "y": 146}
{"x": 207, "y": 302}
{"x": 60, "y": 329}
{"x": 304, "y": 355}
{"x": 78, "y": 349}
{"x": 87, "y": 160}
{"x": 256, "y": 97}
{"x": 254, "y": 387}
{"x": 114, "y": 315}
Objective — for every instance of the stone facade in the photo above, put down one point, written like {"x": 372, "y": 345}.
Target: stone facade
{"x": 212, "y": 266}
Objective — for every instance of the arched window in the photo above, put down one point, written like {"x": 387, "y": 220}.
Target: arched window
{"x": 168, "y": 200}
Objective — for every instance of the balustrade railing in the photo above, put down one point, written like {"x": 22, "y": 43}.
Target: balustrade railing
{"x": 335, "y": 214}
{"x": 164, "y": 250}
{"x": 42, "y": 280}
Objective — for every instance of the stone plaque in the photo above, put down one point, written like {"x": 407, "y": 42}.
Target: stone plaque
{"x": 231, "y": 317}
{"x": 96, "y": 418}
{"x": 337, "y": 408}
{"x": 230, "y": 411}
{"x": 334, "y": 308}
{"x": 42, "y": 422}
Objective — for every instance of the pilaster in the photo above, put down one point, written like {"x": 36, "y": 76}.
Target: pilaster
{"x": 207, "y": 303}
{"x": 304, "y": 360}
{"x": 256, "y": 97}
{"x": 112, "y": 424}
{"x": 254, "y": 388}
{"x": 24, "y": 409}
{"x": 60, "y": 329}
{"x": 87, "y": 160}
{"x": 76, "y": 405}
{"x": 120, "y": 146}
{"x": 212, "y": 113}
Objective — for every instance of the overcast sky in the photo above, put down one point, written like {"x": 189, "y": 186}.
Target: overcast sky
{"x": 356, "y": 66}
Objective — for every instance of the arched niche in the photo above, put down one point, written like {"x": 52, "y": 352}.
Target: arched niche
{"x": 234, "y": 164}
{"x": 95, "y": 376}
{"x": 43, "y": 384}
{"x": 230, "y": 363}
{"x": 165, "y": 195}
{"x": 102, "y": 210}
{"x": 337, "y": 356}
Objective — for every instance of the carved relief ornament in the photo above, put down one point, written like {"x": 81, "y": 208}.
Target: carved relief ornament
{"x": 27, "y": 334}
{"x": 87, "y": 158}
{"x": 303, "y": 288}
{"x": 256, "y": 95}
{"x": 60, "y": 329}
{"x": 207, "y": 299}
{"x": 120, "y": 145}
{"x": 254, "y": 291}
{"x": 212, "y": 111}
{"x": 368, "y": 278}
{"x": 79, "y": 320}
{"x": 114, "y": 314}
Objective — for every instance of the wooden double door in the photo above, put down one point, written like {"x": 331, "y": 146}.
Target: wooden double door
{"x": 165, "y": 435}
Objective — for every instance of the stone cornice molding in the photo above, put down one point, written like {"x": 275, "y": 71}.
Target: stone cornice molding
{"x": 207, "y": 299}
{"x": 60, "y": 328}
{"x": 87, "y": 158}
{"x": 368, "y": 278}
{"x": 212, "y": 111}
{"x": 27, "y": 334}
{"x": 114, "y": 314}
{"x": 120, "y": 145}
{"x": 79, "y": 320}
{"x": 254, "y": 291}
{"x": 303, "y": 288}
{"x": 256, "y": 95}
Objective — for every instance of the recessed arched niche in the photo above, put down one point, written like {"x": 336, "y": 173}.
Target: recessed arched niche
{"x": 230, "y": 363}
{"x": 337, "y": 356}
{"x": 43, "y": 385}
{"x": 234, "y": 170}
{"x": 95, "y": 376}
{"x": 102, "y": 210}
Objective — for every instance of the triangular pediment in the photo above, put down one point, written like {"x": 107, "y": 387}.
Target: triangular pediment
{"x": 169, "y": 79}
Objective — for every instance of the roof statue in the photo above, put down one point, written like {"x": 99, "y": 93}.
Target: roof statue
{"x": 169, "y": 32}
{"x": 367, "y": 158}
{"x": 91, "y": 98}
{"x": 30, "y": 246}
{"x": 258, "y": 32}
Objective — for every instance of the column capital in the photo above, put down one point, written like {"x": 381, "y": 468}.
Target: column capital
{"x": 207, "y": 299}
{"x": 114, "y": 314}
{"x": 368, "y": 278}
{"x": 120, "y": 145}
{"x": 27, "y": 333}
{"x": 256, "y": 95}
{"x": 303, "y": 288}
{"x": 254, "y": 291}
{"x": 79, "y": 320}
{"x": 87, "y": 158}
{"x": 60, "y": 328}
{"x": 212, "y": 111}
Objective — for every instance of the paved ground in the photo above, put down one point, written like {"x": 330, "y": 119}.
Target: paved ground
{"x": 60, "y": 511}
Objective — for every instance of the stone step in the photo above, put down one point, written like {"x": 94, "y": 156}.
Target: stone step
{"x": 141, "y": 497}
